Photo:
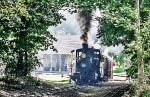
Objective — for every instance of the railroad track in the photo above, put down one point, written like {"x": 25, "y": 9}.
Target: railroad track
{"x": 118, "y": 92}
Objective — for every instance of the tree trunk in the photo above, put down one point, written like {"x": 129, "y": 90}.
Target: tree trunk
{"x": 139, "y": 49}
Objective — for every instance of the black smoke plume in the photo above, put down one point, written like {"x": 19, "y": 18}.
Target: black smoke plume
{"x": 84, "y": 18}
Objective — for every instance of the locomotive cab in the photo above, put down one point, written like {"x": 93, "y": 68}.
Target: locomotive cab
{"x": 87, "y": 65}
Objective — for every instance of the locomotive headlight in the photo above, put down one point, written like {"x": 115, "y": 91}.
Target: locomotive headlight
{"x": 83, "y": 55}
{"x": 83, "y": 65}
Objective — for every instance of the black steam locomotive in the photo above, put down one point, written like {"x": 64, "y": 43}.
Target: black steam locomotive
{"x": 87, "y": 65}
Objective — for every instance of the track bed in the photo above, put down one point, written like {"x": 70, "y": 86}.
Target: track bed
{"x": 109, "y": 89}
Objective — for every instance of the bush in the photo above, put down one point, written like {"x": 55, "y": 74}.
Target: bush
{"x": 10, "y": 81}
{"x": 132, "y": 90}
{"x": 29, "y": 80}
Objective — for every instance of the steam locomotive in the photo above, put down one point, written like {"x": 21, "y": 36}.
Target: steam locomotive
{"x": 87, "y": 66}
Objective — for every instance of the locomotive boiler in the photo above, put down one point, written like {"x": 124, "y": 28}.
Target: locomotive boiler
{"x": 87, "y": 65}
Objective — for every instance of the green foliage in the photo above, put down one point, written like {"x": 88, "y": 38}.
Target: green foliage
{"x": 23, "y": 32}
{"x": 117, "y": 23}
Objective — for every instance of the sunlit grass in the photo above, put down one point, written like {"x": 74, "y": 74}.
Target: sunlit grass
{"x": 56, "y": 82}
{"x": 119, "y": 70}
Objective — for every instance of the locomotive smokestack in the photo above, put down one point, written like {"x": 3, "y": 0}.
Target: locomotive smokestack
{"x": 84, "y": 18}
{"x": 84, "y": 46}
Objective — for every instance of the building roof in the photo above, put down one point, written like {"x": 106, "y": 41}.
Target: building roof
{"x": 65, "y": 44}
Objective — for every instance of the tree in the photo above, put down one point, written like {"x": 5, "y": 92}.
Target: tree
{"x": 23, "y": 32}
{"x": 117, "y": 23}
{"x": 139, "y": 49}
{"x": 126, "y": 22}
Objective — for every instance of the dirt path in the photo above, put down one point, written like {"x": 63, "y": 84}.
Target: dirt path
{"x": 61, "y": 90}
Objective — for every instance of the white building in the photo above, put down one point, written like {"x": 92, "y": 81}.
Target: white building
{"x": 59, "y": 62}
